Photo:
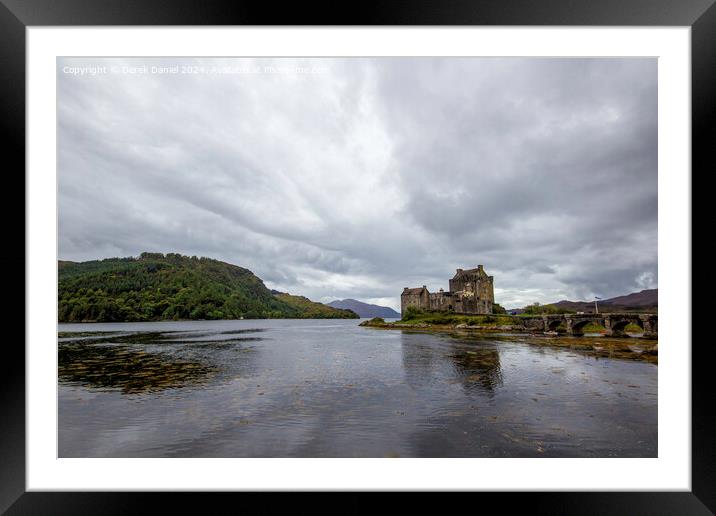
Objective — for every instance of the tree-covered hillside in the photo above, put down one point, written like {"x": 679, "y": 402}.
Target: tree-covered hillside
{"x": 311, "y": 309}
{"x": 156, "y": 287}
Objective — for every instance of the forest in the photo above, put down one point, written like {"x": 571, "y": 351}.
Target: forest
{"x": 155, "y": 287}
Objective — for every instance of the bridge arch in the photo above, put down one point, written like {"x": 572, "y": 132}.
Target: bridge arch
{"x": 577, "y": 326}
{"x": 555, "y": 324}
{"x": 618, "y": 326}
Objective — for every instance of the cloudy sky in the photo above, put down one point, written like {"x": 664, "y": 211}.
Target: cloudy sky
{"x": 335, "y": 178}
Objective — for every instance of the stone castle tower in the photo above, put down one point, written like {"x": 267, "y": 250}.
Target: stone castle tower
{"x": 471, "y": 293}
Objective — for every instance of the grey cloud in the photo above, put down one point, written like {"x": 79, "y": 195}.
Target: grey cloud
{"x": 375, "y": 175}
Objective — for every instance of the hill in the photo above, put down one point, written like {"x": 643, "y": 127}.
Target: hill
{"x": 154, "y": 287}
{"x": 314, "y": 310}
{"x": 648, "y": 298}
{"x": 365, "y": 309}
{"x": 644, "y": 301}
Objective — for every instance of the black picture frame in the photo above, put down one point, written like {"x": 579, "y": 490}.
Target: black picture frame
{"x": 16, "y": 15}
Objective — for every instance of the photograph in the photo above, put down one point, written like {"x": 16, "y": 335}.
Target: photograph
{"x": 357, "y": 257}
{"x": 413, "y": 247}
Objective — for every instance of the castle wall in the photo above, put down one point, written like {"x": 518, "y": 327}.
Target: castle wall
{"x": 441, "y": 301}
{"x": 471, "y": 293}
{"x": 417, "y": 298}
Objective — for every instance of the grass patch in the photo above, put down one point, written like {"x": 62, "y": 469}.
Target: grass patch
{"x": 450, "y": 319}
{"x": 593, "y": 328}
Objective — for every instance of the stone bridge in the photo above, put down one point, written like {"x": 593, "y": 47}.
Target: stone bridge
{"x": 573, "y": 324}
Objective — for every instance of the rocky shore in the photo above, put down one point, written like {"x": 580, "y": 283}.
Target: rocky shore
{"x": 602, "y": 346}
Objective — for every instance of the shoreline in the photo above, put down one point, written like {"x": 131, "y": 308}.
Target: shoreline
{"x": 205, "y": 320}
{"x": 481, "y": 328}
{"x": 508, "y": 323}
{"x": 625, "y": 347}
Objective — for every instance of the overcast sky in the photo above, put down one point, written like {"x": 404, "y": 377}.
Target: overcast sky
{"x": 335, "y": 178}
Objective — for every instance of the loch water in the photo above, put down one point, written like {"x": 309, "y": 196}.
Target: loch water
{"x": 331, "y": 388}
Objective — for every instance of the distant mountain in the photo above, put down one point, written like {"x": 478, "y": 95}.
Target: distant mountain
{"x": 646, "y": 300}
{"x": 364, "y": 309}
{"x": 154, "y": 287}
{"x": 648, "y": 297}
{"x": 313, "y": 310}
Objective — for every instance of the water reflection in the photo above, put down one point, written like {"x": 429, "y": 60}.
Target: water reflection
{"x": 419, "y": 359}
{"x": 335, "y": 389}
{"x": 478, "y": 366}
{"x": 147, "y": 362}
{"x": 475, "y": 364}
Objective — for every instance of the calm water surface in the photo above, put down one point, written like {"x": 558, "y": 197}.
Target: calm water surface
{"x": 327, "y": 388}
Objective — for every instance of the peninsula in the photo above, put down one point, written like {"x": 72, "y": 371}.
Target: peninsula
{"x": 158, "y": 287}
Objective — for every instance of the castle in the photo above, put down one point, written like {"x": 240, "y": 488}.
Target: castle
{"x": 471, "y": 292}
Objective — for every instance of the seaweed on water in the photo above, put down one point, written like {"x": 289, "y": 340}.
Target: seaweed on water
{"x": 129, "y": 370}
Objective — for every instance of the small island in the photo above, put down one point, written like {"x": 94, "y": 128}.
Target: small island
{"x": 469, "y": 307}
{"x": 470, "y": 304}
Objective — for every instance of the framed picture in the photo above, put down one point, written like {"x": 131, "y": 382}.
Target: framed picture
{"x": 272, "y": 251}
